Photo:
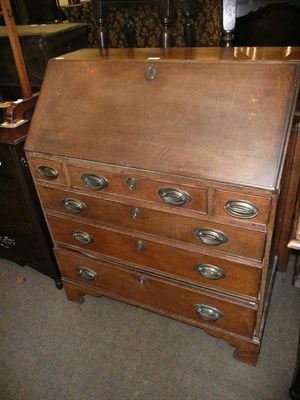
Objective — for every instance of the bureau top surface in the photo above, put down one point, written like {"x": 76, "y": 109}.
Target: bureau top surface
{"x": 198, "y": 113}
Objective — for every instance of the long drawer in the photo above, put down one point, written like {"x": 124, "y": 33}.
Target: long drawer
{"x": 136, "y": 186}
{"x": 159, "y": 258}
{"x": 196, "y": 306}
{"x": 202, "y": 233}
{"x": 168, "y": 191}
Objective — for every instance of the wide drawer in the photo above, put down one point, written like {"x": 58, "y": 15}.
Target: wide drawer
{"x": 136, "y": 186}
{"x": 159, "y": 258}
{"x": 198, "y": 307}
{"x": 202, "y": 233}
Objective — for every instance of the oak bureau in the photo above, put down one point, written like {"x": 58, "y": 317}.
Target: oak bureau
{"x": 164, "y": 177}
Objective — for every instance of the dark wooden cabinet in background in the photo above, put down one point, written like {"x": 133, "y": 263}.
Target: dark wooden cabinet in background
{"x": 24, "y": 237}
{"x": 39, "y": 43}
{"x": 24, "y": 54}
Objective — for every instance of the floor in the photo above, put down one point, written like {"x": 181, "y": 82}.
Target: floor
{"x": 54, "y": 349}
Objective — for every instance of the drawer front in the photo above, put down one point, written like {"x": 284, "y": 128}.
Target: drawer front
{"x": 47, "y": 171}
{"x": 204, "y": 234}
{"x": 242, "y": 206}
{"x": 18, "y": 242}
{"x": 7, "y": 169}
{"x": 13, "y": 207}
{"x": 171, "y": 261}
{"x": 135, "y": 186}
{"x": 198, "y": 307}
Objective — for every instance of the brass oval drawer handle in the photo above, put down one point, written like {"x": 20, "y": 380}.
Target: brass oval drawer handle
{"x": 82, "y": 237}
{"x": 47, "y": 172}
{"x": 174, "y": 197}
{"x": 211, "y": 237}
{"x": 7, "y": 242}
{"x": 87, "y": 273}
{"x": 208, "y": 313}
{"x": 74, "y": 206}
{"x": 94, "y": 182}
{"x": 209, "y": 271}
{"x": 241, "y": 209}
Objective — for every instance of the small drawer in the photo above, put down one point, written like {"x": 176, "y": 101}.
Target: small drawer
{"x": 47, "y": 171}
{"x": 175, "y": 262}
{"x": 203, "y": 234}
{"x": 195, "y": 306}
{"x": 135, "y": 186}
{"x": 242, "y": 206}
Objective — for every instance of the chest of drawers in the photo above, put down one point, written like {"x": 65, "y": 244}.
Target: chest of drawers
{"x": 163, "y": 179}
{"x": 24, "y": 237}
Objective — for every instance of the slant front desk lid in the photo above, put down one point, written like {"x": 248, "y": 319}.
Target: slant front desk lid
{"x": 214, "y": 114}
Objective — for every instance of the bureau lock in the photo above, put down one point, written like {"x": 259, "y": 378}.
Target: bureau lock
{"x": 142, "y": 280}
{"x": 135, "y": 213}
{"x": 150, "y": 73}
{"x": 131, "y": 184}
{"x": 139, "y": 245}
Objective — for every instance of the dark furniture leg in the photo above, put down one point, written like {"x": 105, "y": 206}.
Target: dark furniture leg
{"x": 295, "y": 387}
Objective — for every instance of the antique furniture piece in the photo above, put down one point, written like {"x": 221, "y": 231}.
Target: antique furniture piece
{"x": 24, "y": 237}
{"x": 164, "y": 176}
{"x": 39, "y": 43}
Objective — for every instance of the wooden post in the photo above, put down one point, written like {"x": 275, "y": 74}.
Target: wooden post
{"x": 16, "y": 47}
